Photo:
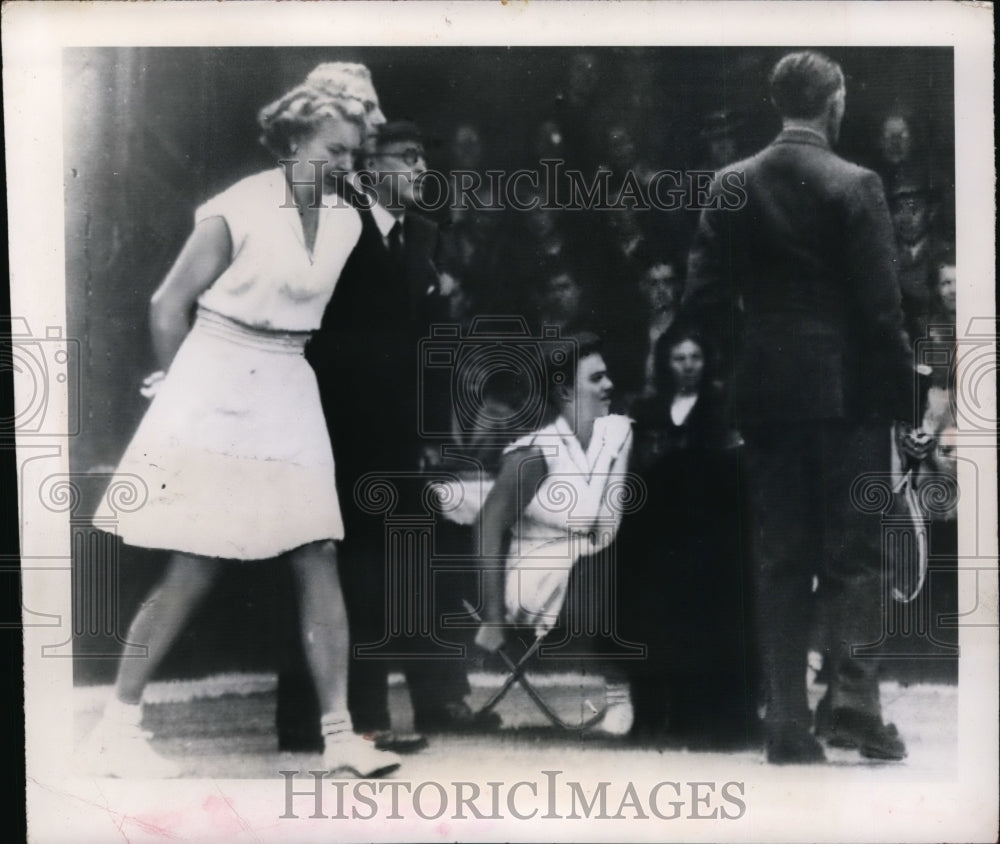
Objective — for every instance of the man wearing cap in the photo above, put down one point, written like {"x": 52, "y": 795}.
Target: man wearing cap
{"x": 910, "y": 202}
{"x": 719, "y": 132}
{"x": 366, "y": 357}
{"x": 822, "y": 368}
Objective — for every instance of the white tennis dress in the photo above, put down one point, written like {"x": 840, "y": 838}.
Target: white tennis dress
{"x": 575, "y": 512}
{"x": 233, "y": 454}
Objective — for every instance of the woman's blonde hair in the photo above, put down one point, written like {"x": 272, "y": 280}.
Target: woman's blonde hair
{"x": 352, "y": 82}
{"x": 341, "y": 90}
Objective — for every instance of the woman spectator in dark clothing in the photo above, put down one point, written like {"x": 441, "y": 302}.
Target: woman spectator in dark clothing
{"x": 683, "y": 561}
{"x": 685, "y": 412}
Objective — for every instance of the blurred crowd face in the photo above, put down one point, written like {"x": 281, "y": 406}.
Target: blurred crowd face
{"x": 466, "y": 148}
{"x": 621, "y": 148}
{"x": 402, "y": 157}
{"x": 659, "y": 287}
{"x": 334, "y": 142}
{"x": 910, "y": 216}
{"x": 895, "y": 139}
{"x": 563, "y": 297}
{"x": 687, "y": 365}
{"x": 946, "y": 287}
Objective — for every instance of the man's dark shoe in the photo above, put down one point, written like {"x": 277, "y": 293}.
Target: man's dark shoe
{"x": 398, "y": 742}
{"x": 456, "y": 717}
{"x": 873, "y": 738}
{"x": 303, "y": 741}
{"x": 790, "y": 744}
{"x": 821, "y": 720}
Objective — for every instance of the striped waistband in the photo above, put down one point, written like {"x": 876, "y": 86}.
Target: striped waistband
{"x": 214, "y": 323}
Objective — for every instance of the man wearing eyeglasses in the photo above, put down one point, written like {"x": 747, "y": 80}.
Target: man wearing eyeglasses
{"x": 392, "y": 169}
{"x": 366, "y": 361}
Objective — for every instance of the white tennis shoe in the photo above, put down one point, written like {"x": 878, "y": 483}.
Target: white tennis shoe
{"x": 356, "y": 756}
{"x": 115, "y": 749}
{"x": 617, "y": 720}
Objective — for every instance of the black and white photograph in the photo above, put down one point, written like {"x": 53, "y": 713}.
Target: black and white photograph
{"x": 475, "y": 422}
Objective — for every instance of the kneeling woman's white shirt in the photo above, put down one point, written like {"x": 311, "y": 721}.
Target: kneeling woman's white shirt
{"x": 576, "y": 511}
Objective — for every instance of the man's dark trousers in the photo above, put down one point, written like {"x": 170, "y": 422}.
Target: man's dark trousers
{"x": 798, "y": 285}
{"x": 806, "y": 524}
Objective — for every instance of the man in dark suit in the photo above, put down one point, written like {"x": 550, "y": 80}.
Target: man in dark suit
{"x": 366, "y": 358}
{"x": 803, "y": 272}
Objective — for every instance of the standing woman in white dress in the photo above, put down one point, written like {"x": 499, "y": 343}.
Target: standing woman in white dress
{"x": 233, "y": 454}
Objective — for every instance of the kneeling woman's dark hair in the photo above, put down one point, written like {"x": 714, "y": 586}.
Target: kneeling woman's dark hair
{"x": 562, "y": 358}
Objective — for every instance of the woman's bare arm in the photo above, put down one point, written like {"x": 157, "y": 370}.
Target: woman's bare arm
{"x": 204, "y": 257}
{"x": 520, "y": 473}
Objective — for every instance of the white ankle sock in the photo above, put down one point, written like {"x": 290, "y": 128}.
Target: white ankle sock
{"x": 123, "y": 714}
{"x": 336, "y": 726}
{"x": 616, "y": 693}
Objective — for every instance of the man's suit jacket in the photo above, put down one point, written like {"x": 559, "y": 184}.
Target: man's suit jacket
{"x": 366, "y": 353}
{"x": 799, "y": 287}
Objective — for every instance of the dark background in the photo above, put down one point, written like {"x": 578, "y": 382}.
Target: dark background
{"x": 150, "y": 133}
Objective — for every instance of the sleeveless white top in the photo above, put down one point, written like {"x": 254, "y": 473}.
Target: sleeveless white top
{"x": 273, "y": 280}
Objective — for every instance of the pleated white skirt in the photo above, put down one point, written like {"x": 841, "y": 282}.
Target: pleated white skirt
{"x": 233, "y": 454}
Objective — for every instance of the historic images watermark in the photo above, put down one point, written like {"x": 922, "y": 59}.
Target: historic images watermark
{"x": 309, "y": 794}
{"x": 551, "y": 187}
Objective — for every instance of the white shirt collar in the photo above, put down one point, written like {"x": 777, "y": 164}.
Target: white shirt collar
{"x": 583, "y": 458}
{"x": 384, "y": 219}
{"x": 681, "y": 407}
{"x": 795, "y": 127}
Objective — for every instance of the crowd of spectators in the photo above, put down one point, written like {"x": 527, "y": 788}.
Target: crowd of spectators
{"x": 619, "y": 272}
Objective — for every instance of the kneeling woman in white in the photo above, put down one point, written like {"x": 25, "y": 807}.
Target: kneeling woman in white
{"x": 554, "y": 502}
{"x": 233, "y": 452}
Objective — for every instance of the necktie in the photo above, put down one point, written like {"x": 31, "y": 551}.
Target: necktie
{"x": 396, "y": 243}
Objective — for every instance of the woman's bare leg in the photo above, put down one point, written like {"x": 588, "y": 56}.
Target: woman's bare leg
{"x": 161, "y": 618}
{"x": 117, "y": 746}
{"x": 323, "y": 618}
{"x": 323, "y": 621}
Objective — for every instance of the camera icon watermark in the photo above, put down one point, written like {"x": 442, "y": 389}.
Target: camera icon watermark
{"x": 967, "y": 365}
{"x": 40, "y": 363}
{"x": 909, "y": 571}
{"x": 496, "y": 378}
{"x": 99, "y": 624}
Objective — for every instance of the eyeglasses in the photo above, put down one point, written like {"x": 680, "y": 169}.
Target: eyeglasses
{"x": 411, "y": 155}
